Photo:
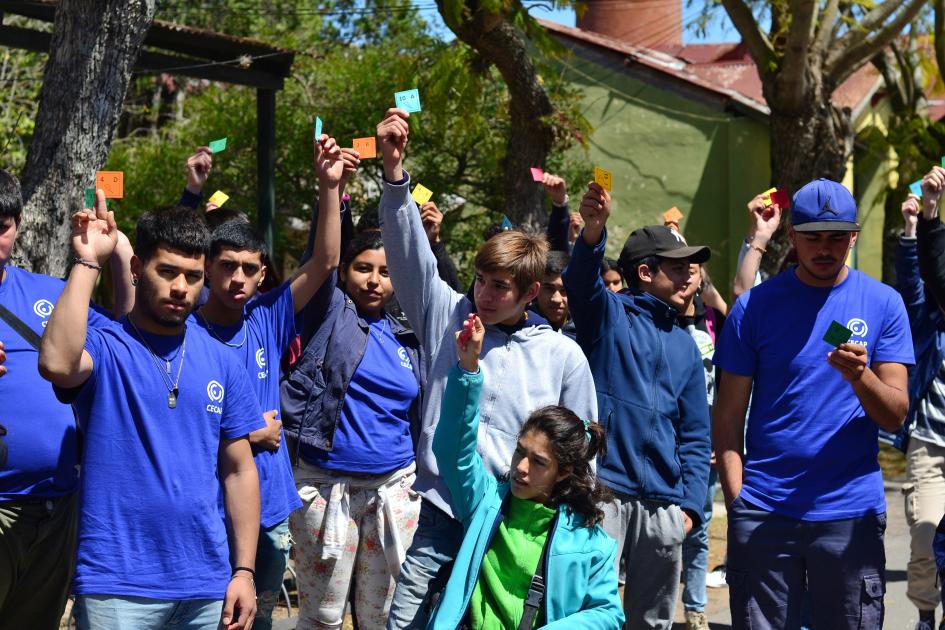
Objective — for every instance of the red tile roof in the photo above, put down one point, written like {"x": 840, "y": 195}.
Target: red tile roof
{"x": 725, "y": 69}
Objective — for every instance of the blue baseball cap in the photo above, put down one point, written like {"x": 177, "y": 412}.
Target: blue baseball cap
{"x": 824, "y": 205}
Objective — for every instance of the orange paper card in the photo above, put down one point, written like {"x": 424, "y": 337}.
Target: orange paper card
{"x": 673, "y": 215}
{"x": 112, "y": 182}
{"x": 366, "y": 147}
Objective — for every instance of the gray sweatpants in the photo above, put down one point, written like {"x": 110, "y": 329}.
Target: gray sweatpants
{"x": 649, "y": 535}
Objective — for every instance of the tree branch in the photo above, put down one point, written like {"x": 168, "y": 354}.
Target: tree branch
{"x": 792, "y": 80}
{"x": 827, "y": 19}
{"x": 846, "y": 59}
{"x": 758, "y": 45}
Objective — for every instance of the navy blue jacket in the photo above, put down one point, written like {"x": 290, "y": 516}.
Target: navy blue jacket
{"x": 650, "y": 388}
{"x": 334, "y": 338}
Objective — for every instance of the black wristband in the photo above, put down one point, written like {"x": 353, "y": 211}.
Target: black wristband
{"x": 247, "y": 569}
{"x": 86, "y": 263}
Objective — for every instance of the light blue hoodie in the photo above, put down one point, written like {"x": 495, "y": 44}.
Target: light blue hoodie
{"x": 580, "y": 580}
{"x": 529, "y": 369}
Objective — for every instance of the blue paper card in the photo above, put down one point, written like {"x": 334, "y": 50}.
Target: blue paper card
{"x": 506, "y": 224}
{"x": 318, "y": 128}
{"x": 408, "y": 100}
{"x": 916, "y": 188}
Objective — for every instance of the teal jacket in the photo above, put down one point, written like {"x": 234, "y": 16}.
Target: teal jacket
{"x": 581, "y": 584}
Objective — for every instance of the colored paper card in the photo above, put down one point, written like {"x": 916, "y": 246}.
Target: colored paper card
{"x": 766, "y": 195}
{"x": 604, "y": 178}
{"x": 943, "y": 161}
{"x": 217, "y": 145}
{"x": 916, "y": 188}
{"x": 112, "y": 182}
{"x": 673, "y": 215}
{"x": 421, "y": 194}
{"x": 537, "y": 174}
{"x": 837, "y": 334}
{"x": 366, "y": 147}
{"x": 782, "y": 198}
{"x": 89, "y": 198}
{"x": 318, "y": 127}
{"x": 218, "y": 198}
{"x": 506, "y": 224}
{"x": 408, "y": 100}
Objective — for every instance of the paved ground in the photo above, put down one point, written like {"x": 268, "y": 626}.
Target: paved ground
{"x": 900, "y": 614}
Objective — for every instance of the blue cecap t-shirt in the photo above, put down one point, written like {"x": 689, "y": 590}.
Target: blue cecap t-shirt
{"x": 41, "y": 439}
{"x": 811, "y": 451}
{"x": 373, "y": 432}
{"x": 149, "y": 522}
{"x": 258, "y": 343}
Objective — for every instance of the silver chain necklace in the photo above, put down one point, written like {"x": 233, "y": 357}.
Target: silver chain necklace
{"x": 172, "y": 390}
{"x": 221, "y": 339}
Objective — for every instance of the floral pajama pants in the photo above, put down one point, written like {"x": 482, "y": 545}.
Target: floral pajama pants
{"x": 325, "y": 584}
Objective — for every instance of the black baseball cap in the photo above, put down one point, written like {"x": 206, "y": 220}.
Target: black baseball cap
{"x": 656, "y": 240}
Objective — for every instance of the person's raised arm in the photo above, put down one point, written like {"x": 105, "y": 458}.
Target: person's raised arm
{"x": 763, "y": 222}
{"x": 931, "y": 235}
{"x": 432, "y": 219}
{"x": 122, "y": 282}
{"x": 62, "y": 357}
{"x": 198, "y": 170}
{"x": 908, "y": 279}
{"x": 241, "y": 500}
{"x": 427, "y": 300}
{"x": 559, "y": 221}
{"x": 728, "y": 431}
{"x": 326, "y": 250}
{"x": 587, "y": 295}
{"x": 880, "y": 388}
{"x": 454, "y": 443}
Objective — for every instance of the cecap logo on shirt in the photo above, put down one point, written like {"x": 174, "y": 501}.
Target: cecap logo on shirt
{"x": 858, "y": 327}
{"x": 404, "y": 358}
{"x": 44, "y": 309}
{"x": 215, "y": 393}
{"x": 261, "y": 362}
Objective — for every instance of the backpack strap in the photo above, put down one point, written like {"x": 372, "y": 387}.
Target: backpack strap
{"x": 19, "y": 326}
{"x": 536, "y": 590}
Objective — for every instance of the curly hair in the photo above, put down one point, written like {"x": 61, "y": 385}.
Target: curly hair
{"x": 574, "y": 447}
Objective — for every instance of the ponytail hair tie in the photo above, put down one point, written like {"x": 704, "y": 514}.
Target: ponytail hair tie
{"x": 587, "y": 434}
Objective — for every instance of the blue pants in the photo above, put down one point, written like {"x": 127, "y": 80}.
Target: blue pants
{"x": 770, "y": 557}
{"x": 425, "y": 569}
{"x": 114, "y": 612}
{"x": 695, "y": 554}
{"x": 272, "y": 555}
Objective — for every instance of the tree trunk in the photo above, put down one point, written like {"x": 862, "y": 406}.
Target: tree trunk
{"x": 531, "y": 136}
{"x": 94, "y": 46}
{"x": 807, "y": 142}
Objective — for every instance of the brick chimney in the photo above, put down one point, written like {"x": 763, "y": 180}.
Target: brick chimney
{"x": 648, "y": 23}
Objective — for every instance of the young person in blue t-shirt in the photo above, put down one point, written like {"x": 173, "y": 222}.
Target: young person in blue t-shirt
{"x": 803, "y": 486}
{"x": 39, "y": 479}
{"x": 166, "y": 411}
{"x": 258, "y": 333}
{"x": 351, "y": 407}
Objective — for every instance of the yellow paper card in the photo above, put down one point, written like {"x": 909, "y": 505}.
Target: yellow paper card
{"x": 421, "y": 194}
{"x": 604, "y": 178}
{"x": 218, "y": 198}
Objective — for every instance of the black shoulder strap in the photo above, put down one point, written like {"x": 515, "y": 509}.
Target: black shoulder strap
{"x": 536, "y": 590}
{"x": 29, "y": 335}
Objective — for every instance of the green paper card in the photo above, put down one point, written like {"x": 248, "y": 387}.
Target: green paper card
{"x": 837, "y": 334}
{"x": 217, "y": 145}
{"x": 89, "y": 198}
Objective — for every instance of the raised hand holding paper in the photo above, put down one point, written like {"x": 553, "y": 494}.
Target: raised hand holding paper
{"x": 318, "y": 127}
{"x": 673, "y": 215}
{"x": 218, "y": 198}
{"x": 112, "y": 182}
{"x": 366, "y": 147}
{"x": 916, "y": 188}
{"x": 421, "y": 194}
{"x": 217, "y": 145}
{"x": 604, "y": 177}
{"x": 837, "y": 334}
{"x": 408, "y": 100}
{"x": 537, "y": 174}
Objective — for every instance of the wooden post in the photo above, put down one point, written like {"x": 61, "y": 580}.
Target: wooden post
{"x": 266, "y": 165}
